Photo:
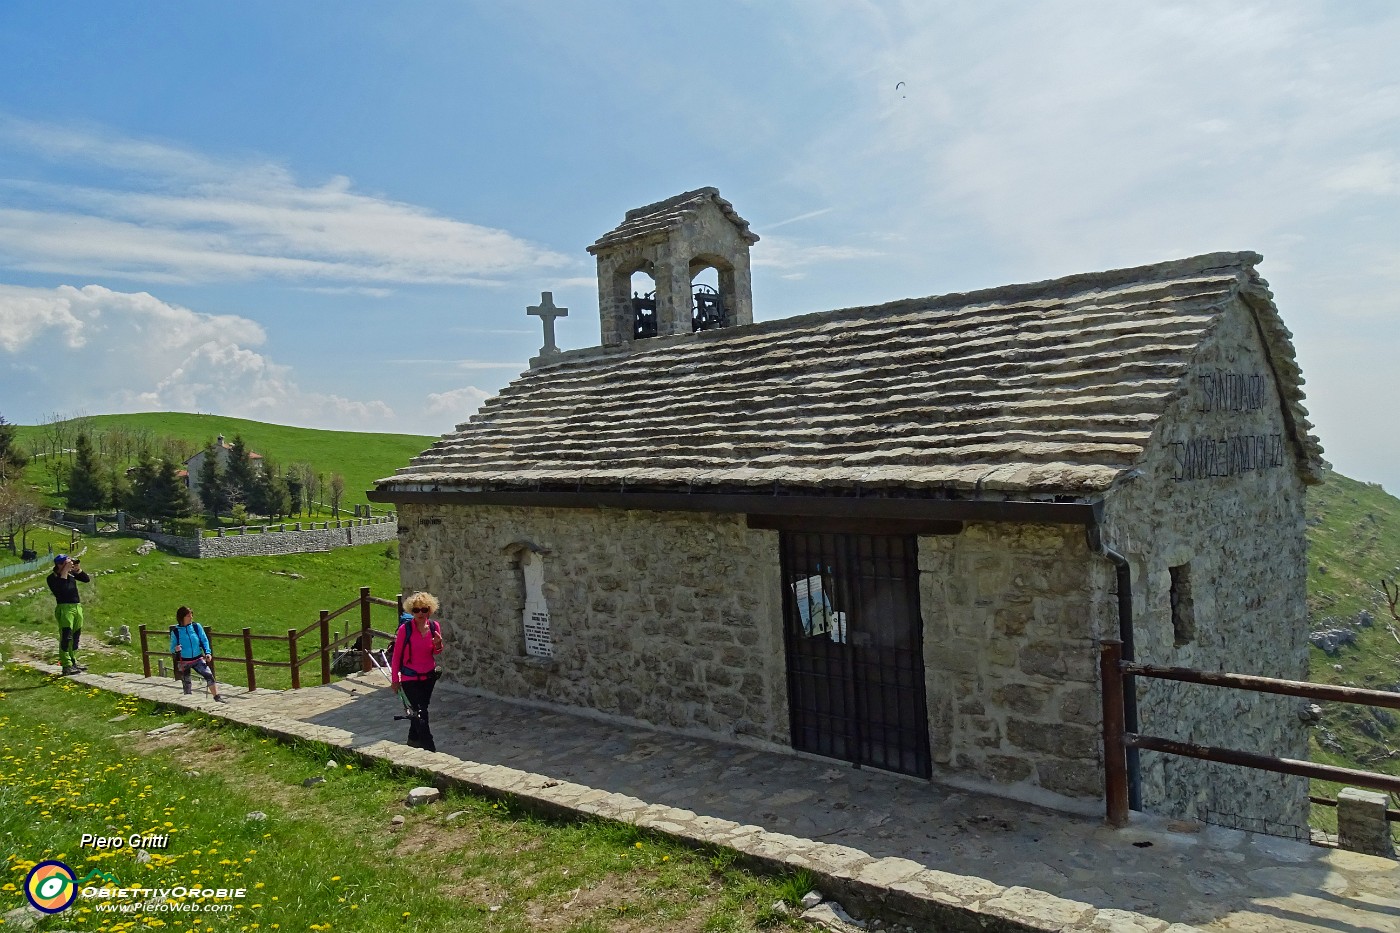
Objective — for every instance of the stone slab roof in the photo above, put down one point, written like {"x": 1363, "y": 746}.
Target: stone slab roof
{"x": 1047, "y": 389}
{"x": 663, "y": 216}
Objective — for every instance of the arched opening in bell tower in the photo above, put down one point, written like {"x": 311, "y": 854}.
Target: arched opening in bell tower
{"x": 642, "y": 289}
{"x": 711, "y": 291}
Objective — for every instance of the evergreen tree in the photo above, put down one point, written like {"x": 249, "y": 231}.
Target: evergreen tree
{"x": 260, "y": 492}
{"x": 140, "y": 501}
{"x": 273, "y": 498}
{"x": 117, "y": 488}
{"x": 12, "y": 459}
{"x": 212, "y": 494}
{"x": 85, "y": 487}
{"x": 294, "y": 493}
{"x": 238, "y": 475}
{"x": 171, "y": 498}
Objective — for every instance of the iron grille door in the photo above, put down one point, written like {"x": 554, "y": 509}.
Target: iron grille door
{"x": 855, "y": 649}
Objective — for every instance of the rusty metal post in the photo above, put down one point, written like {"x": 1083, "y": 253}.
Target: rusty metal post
{"x": 248, "y": 659}
{"x": 145, "y": 656}
{"x": 292, "y": 651}
{"x": 325, "y": 647}
{"x": 364, "y": 630}
{"x": 1115, "y": 753}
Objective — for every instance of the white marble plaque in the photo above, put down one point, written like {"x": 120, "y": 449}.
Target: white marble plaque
{"x": 538, "y": 642}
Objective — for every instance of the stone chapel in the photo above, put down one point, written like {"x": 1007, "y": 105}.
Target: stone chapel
{"x": 893, "y": 535}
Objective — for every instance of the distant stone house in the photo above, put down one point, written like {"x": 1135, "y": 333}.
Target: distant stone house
{"x": 891, "y": 535}
{"x": 221, "y": 452}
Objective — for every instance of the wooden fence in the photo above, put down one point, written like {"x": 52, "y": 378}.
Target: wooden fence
{"x": 1117, "y": 675}
{"x": 323, "y": 649}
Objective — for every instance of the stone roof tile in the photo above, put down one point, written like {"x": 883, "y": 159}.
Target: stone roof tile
{"x": 1048, "y": 389}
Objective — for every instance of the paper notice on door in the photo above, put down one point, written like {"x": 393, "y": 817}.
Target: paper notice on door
{"x": 813, "y": 608}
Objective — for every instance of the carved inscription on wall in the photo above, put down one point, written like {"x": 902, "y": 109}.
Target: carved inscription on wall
{"x": 1224, "y": 393}
{"x": 1227, "y": 456}
{"x": 1223, "y": 390}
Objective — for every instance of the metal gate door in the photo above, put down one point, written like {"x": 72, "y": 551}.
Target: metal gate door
{"x": 855, "y": 649}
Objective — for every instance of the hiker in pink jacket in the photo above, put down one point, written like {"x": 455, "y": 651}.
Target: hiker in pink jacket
{"x": 413, "y": 667}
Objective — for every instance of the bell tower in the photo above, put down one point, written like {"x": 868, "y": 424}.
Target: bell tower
{"x": 673, "y": 241}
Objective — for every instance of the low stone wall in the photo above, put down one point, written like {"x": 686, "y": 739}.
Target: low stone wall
{"x": 297, "y": 538}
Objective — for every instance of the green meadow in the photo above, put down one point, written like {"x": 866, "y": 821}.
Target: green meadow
{"x": 75, "y": 760}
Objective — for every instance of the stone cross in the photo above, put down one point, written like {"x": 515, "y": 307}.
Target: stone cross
{"x": 546, "y": 312}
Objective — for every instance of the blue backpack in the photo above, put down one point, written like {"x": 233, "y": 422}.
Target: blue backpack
{"x": 404, "y": 633}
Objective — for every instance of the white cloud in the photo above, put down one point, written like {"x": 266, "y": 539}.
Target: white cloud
{"x": 119, "y": 351}
{"x": 457, "y": 404}
{"x": 184, "y": 217}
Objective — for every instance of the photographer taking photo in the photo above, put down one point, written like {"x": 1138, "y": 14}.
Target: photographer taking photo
{"x": 68, "y": 612}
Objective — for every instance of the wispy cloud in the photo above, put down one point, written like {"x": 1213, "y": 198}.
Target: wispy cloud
{"x": 1067, "y": 133}
{"x": 460, "y": 364}
{"x": 349, "y": 290}
{"x": 792, "y": 220}
{"x": 784, "y": 253}
{"x": 180, "y": 216}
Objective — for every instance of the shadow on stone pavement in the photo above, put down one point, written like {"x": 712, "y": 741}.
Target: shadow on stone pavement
{"x": 1181, "y": 872}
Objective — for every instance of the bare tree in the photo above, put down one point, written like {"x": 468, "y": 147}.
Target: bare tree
{"x": 20, "y": 508}
{"x": 337, "y": 490}
{"x": 1391, "y": 588}
{"x": 55, "y": 436}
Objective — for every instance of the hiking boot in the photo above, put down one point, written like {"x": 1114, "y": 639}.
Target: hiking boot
{"x": 188, "y": 690}
{"x": 70, "y": 671}
{"x": 80, "y": 667}
{"x": 220, "y": 699}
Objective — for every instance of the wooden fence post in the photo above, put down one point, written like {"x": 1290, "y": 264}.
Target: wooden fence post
{"x": 365, "y": 637}
{"x": 325, "y": 647}
{"x": 1115, "y": 753}
{"x": 248, "y": 659}
{"x": 292, "y": 650}
{"x": 145, "y": 657}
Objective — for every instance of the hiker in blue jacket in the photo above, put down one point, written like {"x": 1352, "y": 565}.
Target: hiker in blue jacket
{"x": 190, "y": 646}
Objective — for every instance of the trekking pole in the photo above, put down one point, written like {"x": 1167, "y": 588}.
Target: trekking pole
{"x": 381, "y": 667}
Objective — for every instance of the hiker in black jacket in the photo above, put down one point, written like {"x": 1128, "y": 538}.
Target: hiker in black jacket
{"x": 68, "y": 612}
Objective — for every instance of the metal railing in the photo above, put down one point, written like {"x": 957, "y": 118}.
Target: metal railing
{"x": 1115, "y": 672}
{"x": 12, "y": 570}
{"x": 324, "y": 649}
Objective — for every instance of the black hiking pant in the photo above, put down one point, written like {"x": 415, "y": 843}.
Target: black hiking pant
{"x": 419, "y": 693}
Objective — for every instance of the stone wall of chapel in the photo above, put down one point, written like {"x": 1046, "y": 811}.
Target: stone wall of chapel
{"x": 1011, "y": 615}
{"x": 672, "y": 618}
{"x": 1220, "y": 493}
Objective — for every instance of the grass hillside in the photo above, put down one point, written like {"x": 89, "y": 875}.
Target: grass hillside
{"x": 227, "y": 595}
{"x": 360, "y": 458}
{"x": 1354, "y": 543}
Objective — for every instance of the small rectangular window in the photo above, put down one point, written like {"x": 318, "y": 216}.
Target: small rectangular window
{"x": 1183, "y": 609}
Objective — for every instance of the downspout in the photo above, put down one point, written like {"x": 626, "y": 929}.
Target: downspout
{"x": 1125, "y": 635}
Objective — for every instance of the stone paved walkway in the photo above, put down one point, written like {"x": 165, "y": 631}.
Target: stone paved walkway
{"x": 912, "y": 851}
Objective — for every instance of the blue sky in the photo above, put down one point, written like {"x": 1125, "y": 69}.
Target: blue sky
{"x": 335, "y": 214}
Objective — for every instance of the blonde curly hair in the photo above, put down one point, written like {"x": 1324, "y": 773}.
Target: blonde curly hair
{"x": 419, "y": 600}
